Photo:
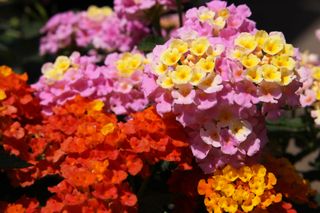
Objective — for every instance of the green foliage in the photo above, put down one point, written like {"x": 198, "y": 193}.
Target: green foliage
{"x": 148, "y": 43}
{"x": 20, "y": 22}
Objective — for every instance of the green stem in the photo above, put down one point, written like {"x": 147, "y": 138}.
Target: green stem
{"x": 179, "y": 7}
{"x": 155, "y": 15}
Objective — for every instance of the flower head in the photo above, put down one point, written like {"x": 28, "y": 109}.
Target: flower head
{"x": 218, "y": 20}
{"x": 18, "y": 108}
{"x": 310, "y": 90}
{"x": 100, "y": 27}
{"x": 117, "y": 83}
{"x": 123, "y": 76}
{"x": 266, "y": 57}
{"x": 137, "y": 9}
{"x": 243, "y": 189}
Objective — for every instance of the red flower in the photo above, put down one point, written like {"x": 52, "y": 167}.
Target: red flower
{"x": 23, "y": 205}
{"x": 155, "y": 138}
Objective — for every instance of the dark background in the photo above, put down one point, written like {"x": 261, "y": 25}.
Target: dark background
{"x": 20, "y": 21}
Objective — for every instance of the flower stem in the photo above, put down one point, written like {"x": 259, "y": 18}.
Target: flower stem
{"x": 179, "y": 7}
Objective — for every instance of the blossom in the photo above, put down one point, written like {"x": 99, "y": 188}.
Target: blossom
{"x": 24, "y": 204}
{"x": 123, "y": 76}
{"x": 81, "y": 143}
{"x": 68, "y": 77}
{"x": 90, "y": 149}
{"x": 184, "y": 70}
{"x": 59, "y": 31}
{"x": 222, "y": 87}
{"x": 100, "y": 27}
{"x": 138, "y": 9}
{"x": 156, "y": 139}
{"x": 188, "y": 78}
{"x": 76, "y": 75}
{"x": 218, "y": 20}
{"x": 18, "y": 107}
{"x": 16, "y": 96}
{"x": 269, "y": 62}
{"x": 309, "y": 92}
{"x": 228, "y": 140}
{"x": 243, "y": 189}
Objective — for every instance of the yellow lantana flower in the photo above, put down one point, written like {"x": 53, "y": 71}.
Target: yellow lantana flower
{"x": 247, "y": 42}
{"x": 170, "y": 57}
{"x": 206, "y": 15}
{"x": 97, "y": 13}
{"x": 182, "y": 74}
{"x": 165, "y": 82}
{"x": 270, "y": 73}
{"x": 199, "y": 46}
{"x": 273, "y": 44}
{"x": 180, "y": 45}
{"x": 254, "y": 75}
{"x": 62, "y": 63}
{"x": 129, "y": 63}
{"x": 206, "y": 65}
{"x": 250, "y": 61}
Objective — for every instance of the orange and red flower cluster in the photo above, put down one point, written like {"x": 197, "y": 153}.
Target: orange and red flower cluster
{"x": 18, "y": 107}
{"x": 23, "y": 205}
{"x": 92, "y": 152}
{"x": 82, "y": 144}
{"x": 157, "y": 138}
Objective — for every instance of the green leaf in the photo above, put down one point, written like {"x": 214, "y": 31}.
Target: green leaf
{"x": 30, "y": 29}
{"x": 287, "y": 124}
{"x": 41, "y": 10}
{"x": 148, "y": 43}
{"x": 8, "y": 161}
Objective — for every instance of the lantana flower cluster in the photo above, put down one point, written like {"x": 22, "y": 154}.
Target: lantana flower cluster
{"x": 82, "y": 144}
{"x": 310, "y": 95}
{"x": 24, "y": 204}
{"x": 118, "y": 84}
{"x": 218, "y": 20}
{"x": 18, "y": 107}
{"x": 123, "y": 74}
{"x": 155, "y": 138}
{"x": 239, "y": 190}
{"x": 222, "y": 89}
{"x": 139, "y": 9}
{"x": 89, "y": 149}
{"x": 100, "y": 27}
